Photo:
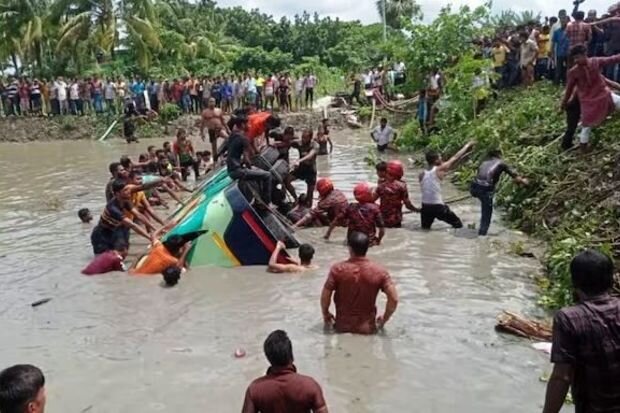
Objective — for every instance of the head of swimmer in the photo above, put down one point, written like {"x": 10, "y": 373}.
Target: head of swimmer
{"x": 279, "y": 349}
{"x": 171, "y": 275}
{"x": 85, "y": 215}
{"x": 358, "y": 244}
{"x": 306, "y": 254}
{"x": 381, "y": 168}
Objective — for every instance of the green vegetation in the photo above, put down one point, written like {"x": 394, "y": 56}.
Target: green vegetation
{"x": 572, "y": 201}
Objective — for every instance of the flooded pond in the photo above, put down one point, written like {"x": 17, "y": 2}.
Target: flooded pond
{"x": 116, "y": 343}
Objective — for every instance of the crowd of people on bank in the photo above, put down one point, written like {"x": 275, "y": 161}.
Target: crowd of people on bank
{"x": 26, "y": 96}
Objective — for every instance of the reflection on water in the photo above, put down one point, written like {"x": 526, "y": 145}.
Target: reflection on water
{"x": 116, "y": 343}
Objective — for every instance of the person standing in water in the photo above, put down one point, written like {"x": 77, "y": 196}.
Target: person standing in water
{"x": 433, "y": 206}
{"x": 383, "y": 135}
{"x": 323, "y": 139}
{"x": 393, "y": 194}
{"x": 354, "y": 285}
{"x": 282, "y": 389}
{"x": 332, "y": 202}
{"x": 362, "y": 216}
{"x": 213, "y": 119}
{"x": 483, "y": 186}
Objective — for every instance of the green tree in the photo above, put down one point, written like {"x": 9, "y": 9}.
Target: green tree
{"x": 398, "y": 10}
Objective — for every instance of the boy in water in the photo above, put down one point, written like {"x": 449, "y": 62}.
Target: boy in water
{"x": 323, "y": 139}
{"x": 393, "y": 194}
{"x": 85, "y": 215}
{"x": 381, "y": 168}
{"x": 433, "y": 206}
{"x": 362, "y": 216}
{"x": 172, "y": 275}
{"x": 306, "y": 253}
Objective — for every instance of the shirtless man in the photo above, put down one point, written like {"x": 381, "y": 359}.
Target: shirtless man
{"x": 213, "y": 120}
{"x": 306, "y": 253}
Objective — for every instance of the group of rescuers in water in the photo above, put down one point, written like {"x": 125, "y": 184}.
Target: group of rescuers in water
{"x": 355, "y": 283}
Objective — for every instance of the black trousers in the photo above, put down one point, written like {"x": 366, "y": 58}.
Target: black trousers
{"x": 442, "y": 212}
{"x": 573, "y": 114}
{"x": 264, "y": 178}
{"x": 189, "y": 163}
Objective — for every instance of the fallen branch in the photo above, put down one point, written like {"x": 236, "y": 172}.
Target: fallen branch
{"x": 518, "y": 325}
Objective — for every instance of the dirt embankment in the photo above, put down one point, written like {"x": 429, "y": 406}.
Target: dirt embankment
{"x": 46, "y": 129}
{"x": 23, "y": 130}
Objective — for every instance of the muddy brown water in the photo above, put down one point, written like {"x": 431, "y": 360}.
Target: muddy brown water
{"x": 116, "y": 343}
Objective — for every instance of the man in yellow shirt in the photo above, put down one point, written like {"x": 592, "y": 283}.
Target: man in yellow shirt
{"x": 544, "y": 50}
{"x": 260, "y": 82}
{"x": 498, "y": 53}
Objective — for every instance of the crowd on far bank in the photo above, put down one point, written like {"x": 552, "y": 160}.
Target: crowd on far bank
{"x": 26, "y": 96}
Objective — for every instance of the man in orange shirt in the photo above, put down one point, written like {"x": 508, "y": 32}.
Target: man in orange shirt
{"x": 259, "y": 125}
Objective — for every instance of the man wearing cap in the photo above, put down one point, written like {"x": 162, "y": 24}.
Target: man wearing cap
{"x": 393, "y": 194}
{"x": 332, "y": 202}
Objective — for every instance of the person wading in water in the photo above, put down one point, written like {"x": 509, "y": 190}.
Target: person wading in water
{"x": 362, "y": 216}
{"x": 433, "y": 206}
{"x": 355, "y": 284}
{"x": 483, "y": 186}
{"x": 393, "y": 194}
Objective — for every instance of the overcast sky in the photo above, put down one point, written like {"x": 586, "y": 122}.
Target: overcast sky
{"x": 366, "y": 11}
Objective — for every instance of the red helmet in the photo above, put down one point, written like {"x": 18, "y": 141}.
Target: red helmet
{"x": 363, "y": 193}
{"x": 395, "y": 169}
{"x": 324, "y": 186}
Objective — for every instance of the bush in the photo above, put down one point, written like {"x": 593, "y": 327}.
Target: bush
{"x": 168, "y": 113}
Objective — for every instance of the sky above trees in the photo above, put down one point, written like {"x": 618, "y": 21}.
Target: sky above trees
{"x": 365, "y": 10}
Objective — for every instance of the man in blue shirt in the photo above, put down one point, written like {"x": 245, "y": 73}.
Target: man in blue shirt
{"x": 559, "y": 49}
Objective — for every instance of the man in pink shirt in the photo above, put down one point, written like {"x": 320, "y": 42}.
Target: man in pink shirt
{"x": 596, "y": 100}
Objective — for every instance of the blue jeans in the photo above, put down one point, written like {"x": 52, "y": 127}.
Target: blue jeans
{"x": 98, "y": 103}
{"x": 485, "y": 195}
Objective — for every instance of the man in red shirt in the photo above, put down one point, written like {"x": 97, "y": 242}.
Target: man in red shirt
{"x": 355, "y": 284}
{"x": 282, "y": 390}
{"x": 332, "y": 202}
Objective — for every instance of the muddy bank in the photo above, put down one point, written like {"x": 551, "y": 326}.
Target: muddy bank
{"x": 23, "y": 130}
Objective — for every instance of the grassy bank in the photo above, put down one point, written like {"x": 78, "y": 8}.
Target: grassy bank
{"x": 573, "y": 200}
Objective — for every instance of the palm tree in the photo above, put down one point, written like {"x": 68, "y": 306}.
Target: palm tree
{"x": 193, "y": 31}
{"x": 396, "y": 10}
{"x": 96, "y": 23}
{"x": 22, "y": 32}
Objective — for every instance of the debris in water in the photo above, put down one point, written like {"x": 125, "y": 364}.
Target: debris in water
{"x": 239, "y": 353}
{"x": 41, "y": 302}
{"x": 518, "y": 325}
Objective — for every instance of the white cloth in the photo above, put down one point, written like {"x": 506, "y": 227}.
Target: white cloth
{"x": 383, "y": 136}
{"x": 584, "y": 136}
{"x": 74, "y": 91}
{"x": 435, "y": 81}
{"x": 431, "y": 188}
{"x": 61, "y": 88}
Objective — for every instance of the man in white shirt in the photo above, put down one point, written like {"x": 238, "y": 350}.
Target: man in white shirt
{"x": 310, "y": 83}
{"x": 383, "y": 135}
{"x": 529, "y": 51}
{"x": 74, "y": 97}
{"x": 61, "y": 90}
